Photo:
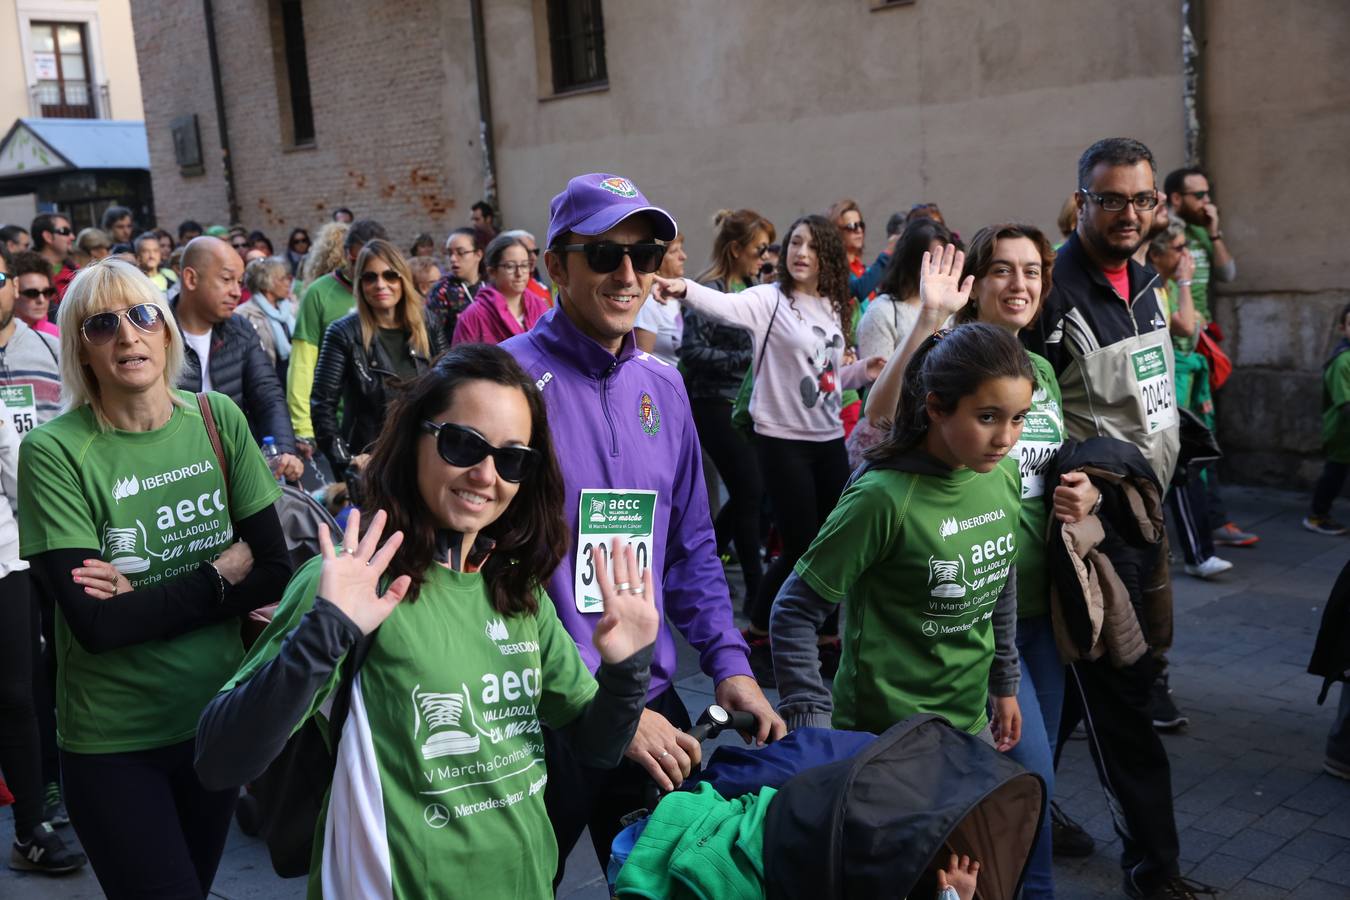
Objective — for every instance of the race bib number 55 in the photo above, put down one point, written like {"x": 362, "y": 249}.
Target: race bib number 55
{"x": 1157, "y": 395}
{"x": 18, "y": 400}
{"x": 604, "y": 516}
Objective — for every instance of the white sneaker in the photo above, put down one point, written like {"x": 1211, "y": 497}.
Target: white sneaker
{"x": 1209, "y": 568}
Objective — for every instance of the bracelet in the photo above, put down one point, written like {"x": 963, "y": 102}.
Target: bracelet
{"x": 1216, "y": 237}
{"x": 1186, "y": 283}
{"x": 1097, "y": 507}
{"x": 221, "y": 584}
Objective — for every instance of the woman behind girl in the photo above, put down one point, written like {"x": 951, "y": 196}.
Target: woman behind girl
{"x": 152, "y": 548}
{"x": 438, "y": 785}
{"x": 502, "y": 308}
{"x": 383, "y": 340}
{"x": 922, "y": 547}
{"x": 798, "y": 325}
{"x": 716, "y": 358}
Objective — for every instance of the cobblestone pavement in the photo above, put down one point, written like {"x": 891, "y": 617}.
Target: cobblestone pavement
{"x": 1257, "y": 816}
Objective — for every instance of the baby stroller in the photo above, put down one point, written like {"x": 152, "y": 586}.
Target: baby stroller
{"x": 877, "y": 822}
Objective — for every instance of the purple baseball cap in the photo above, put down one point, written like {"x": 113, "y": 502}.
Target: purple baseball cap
{"x": 595, "y": 203}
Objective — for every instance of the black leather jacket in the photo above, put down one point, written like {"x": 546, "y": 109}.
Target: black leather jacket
{"x": 241, "y": 371}
{"x": 348, "y": 374}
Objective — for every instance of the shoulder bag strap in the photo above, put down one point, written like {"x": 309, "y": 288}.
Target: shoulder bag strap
{"x": 768, "y": 331}
{"x": 204, "y": 404}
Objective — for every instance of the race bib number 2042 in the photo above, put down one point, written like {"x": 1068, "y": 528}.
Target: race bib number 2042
{"x": 1157, "y": 394}
{"x": 605, "y": 515}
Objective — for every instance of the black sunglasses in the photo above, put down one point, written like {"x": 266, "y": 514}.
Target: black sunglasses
{"x": 102, "y": 327}
{"x": 461, "y": 446}
{"x": 855, "y": 226}
{"x": 371, "y": 276}
{"x": 64, "y": 231}
{"x": 4, "y": 280}
{"x": 34, "y": 293}
{"x": 605, "y": 256}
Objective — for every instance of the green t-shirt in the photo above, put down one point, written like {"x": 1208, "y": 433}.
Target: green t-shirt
{"x": 1041, "y": 437}
{"x": 1201, "y": 246}
{"x": 1335, "y": 394}
{"x": 154, "y": 504}
{"x": 442, "y": 746}
{"x": 326, "y": 301}
{"x": 921, "y": 560}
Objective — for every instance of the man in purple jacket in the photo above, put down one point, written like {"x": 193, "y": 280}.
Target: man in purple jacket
{"x": 631, "y": 461}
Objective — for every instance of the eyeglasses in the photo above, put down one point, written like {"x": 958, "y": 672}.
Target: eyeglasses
{"x": 605, "y": 256}
{"x": 513, "y": 268}
{"x": 855, "y": 226}
{"x": 64, "y": 231}
{"x": 102, "y": 327}
{"x": 1116, "y": 202}
{"x": 460, "y": 254}
{"x": 463, "y": 447}
{"x": 1199, "y": 195}
{"x": 4, "y": 280}
{"x": 762, "y": 250}
{"x": 389, "y": 276}
{"x": 34, "y": 293}
{"x": 243, "y": 245}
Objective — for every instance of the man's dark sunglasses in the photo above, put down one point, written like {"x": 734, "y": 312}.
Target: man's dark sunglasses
{"x": 463, "y": 447}
{"x": 34, "y": 293}
{"x": 102, "y": 327}
{"x": 605, "y": 256}
{"x": 64, "y": 231}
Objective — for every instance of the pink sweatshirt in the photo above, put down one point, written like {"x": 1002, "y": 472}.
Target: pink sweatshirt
{"x": 487, "y": 320}
{"x": 797, "y": 388}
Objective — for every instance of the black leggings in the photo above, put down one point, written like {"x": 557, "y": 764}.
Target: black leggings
{"x": 804, "y": 480}
{"x": 738, "y": 520}
{"x": 149, "y": 827}
{"x": 20, "y": 749}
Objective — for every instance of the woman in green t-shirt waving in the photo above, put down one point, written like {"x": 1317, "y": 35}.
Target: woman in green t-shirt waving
{"x": 438, "y": 788}
{"x": 152, "y": 549}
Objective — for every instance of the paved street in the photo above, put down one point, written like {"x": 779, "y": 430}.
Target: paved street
{"x": 1257, "y": 816}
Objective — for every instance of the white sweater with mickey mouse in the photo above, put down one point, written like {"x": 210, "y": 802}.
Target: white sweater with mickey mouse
{"x": 800, "y": 375}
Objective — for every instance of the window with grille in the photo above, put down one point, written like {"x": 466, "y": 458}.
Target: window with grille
{"x": 64, "y": 86}
{"x": 297, "y": 72}
{"x": 576, "y": 35}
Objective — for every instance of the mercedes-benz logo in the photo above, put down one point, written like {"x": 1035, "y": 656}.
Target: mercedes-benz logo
{"x": 437, "y": 816}
{"x": 929, "y": 627}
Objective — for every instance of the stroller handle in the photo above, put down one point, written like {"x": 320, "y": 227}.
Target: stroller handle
{"x": 713, "y": 722}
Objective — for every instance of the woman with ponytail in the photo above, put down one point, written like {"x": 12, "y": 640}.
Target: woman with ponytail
{"x": 922, "y": 547}
{"x": 800, "y": 328}
{"x": 715, "y": 359}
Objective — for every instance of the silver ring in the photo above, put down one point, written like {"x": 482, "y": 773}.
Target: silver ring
{"x": 637, "y": 590}
{"x": 664, "y": 754}
{"x": 622, "y": 586}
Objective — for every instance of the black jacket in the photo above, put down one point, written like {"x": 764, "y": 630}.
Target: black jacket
{"x": 1082, "y": 299}
{"x": 241, "y": 371}
{"x": 349, "y": 374}
{"x": 714, "y": 356}
{"x": 1331, "y": 655}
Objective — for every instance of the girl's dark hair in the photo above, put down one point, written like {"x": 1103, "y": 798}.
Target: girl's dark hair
{"x": 833, "y": 264}
{"x": 256, "y": 237}
{"x": 901, "y": 278}
{"x": 531, "y": 535}
{"x": 980, "y": 257}
{"x": 422, "y": 240}
{"x": 950, "y": 365}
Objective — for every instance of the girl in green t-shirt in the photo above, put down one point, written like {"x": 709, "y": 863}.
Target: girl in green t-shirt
{"x": 922, "y": 547}
{"x": 440, "y": 775}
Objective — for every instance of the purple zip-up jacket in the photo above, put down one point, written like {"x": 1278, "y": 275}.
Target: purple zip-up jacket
{"x": 608, "y": 437}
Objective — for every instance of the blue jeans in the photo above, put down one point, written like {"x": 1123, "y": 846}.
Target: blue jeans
{"x": 1338, "y": 742}
{"x": 1041, "y": 698}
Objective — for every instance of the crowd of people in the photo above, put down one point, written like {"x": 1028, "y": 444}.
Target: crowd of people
{"x": 944, "y": 473}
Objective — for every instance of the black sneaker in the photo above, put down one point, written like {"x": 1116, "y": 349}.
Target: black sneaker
{"x": 1067, "y": 837}
{"x": 45, "y": 852}
{"x": 54, "y": 806}
{"x": 1161, "y": 709}
{"x": 1174, "y": 888}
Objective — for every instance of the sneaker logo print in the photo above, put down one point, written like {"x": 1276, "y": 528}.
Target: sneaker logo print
{"x": 441, "y": 714}
{"x": 945, "y": 577}
{"x": 598, "y": 511}
{"x": 121, "y": 548}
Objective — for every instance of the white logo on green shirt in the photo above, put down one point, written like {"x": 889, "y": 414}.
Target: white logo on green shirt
{"x": 945, "y": 577}
{"x": 125, "y": 487}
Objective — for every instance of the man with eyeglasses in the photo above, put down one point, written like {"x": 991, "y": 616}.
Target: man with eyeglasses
{"x": 223, "y": 352}
{"x": 631, "y": 461}
{"x": 1107, "y": 338}
{"x": 1191, "y": 200}
{"x": 52, "y": 237}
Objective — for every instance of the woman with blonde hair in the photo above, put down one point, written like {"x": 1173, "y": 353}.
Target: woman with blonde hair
{"x": 384, "y": 340}
{"x": 153, "y": 535}
{"x": 325, "y": 256}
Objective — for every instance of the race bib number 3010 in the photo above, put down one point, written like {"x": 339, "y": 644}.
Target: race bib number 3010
{"x": 19, "y": 403}
{"x": 604, "y": 516}
{"x": 1157, "y": 394}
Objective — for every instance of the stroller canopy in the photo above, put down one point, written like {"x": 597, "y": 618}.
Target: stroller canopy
{"x": 870, "y": 826}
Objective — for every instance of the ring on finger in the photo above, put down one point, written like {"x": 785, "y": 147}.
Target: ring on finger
{"x": 664, "y": 754}
{"x": 636, "y": 590}
{"x": 622, "y": 586}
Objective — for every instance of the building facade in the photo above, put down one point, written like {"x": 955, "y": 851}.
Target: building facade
{"x": 409, "y": 111}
